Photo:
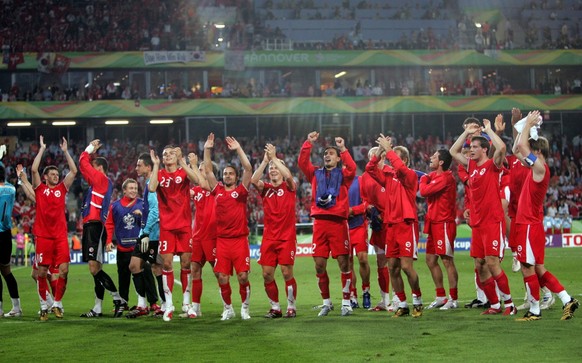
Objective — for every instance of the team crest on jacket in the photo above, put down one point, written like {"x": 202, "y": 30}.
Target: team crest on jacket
{"x": 58, "y": 193}
{"x": 234, "y": 195}
{"x": 129, "y": 221}
{"x": 178, "y": 179}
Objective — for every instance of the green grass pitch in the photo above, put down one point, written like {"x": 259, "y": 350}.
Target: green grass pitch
{"x": 461, "y": 335}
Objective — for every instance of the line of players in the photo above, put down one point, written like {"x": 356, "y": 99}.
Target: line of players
{"x": 342, "y": 205}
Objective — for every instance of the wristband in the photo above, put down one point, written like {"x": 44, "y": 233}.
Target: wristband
{"x": 90, "y": 148}
{"x": 530, "y": 159}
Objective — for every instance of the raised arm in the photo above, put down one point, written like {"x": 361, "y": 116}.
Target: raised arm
{"x": 209, "y": 173}
{"x": 500, "y": 148}
{"x": 193, "y": 164}
{"x": 36, "y": 179}
{"x": 538, "y": 167}
{"x": 70, "y": 177}
{"x": 233, "y": 144}
{"x": 191, "y": 168}
{"x": 153, "y": 185}
{"x": 458, "y": 145}
{"x": 349, "y": 170}
{"x": 258, "y": 174}
{"x": 271, "y": 152}
{"x": 26, "y": 186}
{"x": 515, "y": 116}
{"x": 304, "y": 160}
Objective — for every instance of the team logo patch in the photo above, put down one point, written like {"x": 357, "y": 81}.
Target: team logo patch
{"x": 495, "y": 243}
{"x": 58, "y": 194}
{"x": 440, "y": 242}
{"x": 234, "y": 195}
{"x": 408, "y": 244}
{"x": 178, "y": 179}
{"x": 519, "y": 248}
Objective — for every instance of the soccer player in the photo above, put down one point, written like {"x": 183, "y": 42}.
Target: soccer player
{"x": 330, "y": 211}
{"x": 232, "y": 233}
{"x": 401, "y": 219}
{"x": 95, "y": 209}
{"x": 374, "y": 194}
{"x": 53, "y": 271}
{"x": 481, "y": 300}
{"x": 487, "y": 216}
{"x": 50, "y": 227}
{"x": 358, "y": 225}
{"x": 7, "y": 198}
{"x": 145, "y": 252}
{"x": 173, "y": 192}
{"x": 529, "y": 234}
{"x": 203, "y": 234}
{"x": 440, "y": 190}
{"x": 279, "y": 237}
{"x": 517, "y": 175}
{"x": 124, "y": 220}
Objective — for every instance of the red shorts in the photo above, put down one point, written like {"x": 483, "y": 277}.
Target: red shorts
{"x": 232, "y": 252}
{"x": 51, "y": 251}
{"x": 330, "y": 236}
{"x": 402, "y": 240}
{"x": 52, "y": 270}
{"x": 512, "y": 241}
{"x": 175, "y": 241}
{"x": 378, "y": 240}
{"x": 441, "y": 238}
{"x": 359, "y": 239}
{"x": 488, "y": 240}
{"x": 203, "y": 251}
{"x": 530, "y": 243}
{"x": 275, "y": 253}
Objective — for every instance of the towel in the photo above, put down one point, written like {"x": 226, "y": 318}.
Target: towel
{"x": 533, "y": 132}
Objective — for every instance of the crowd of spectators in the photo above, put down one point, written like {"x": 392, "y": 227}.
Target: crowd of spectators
{"x": 565, "y": 164}
{"x": 99, "y": 25}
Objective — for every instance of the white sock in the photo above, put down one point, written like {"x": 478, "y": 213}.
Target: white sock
{"x": 16, "y": 304}
{"x": 98, "y": 305}
{"x": 564, "y": 296}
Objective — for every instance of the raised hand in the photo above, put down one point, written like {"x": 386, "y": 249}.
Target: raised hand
{"x": 313, "y": 136}
{"x": 64, "y": 145}
{"x": 232, "y": 143}
{"x": 340, "y": 143}
{"x": 209, "y": 144}
{"x": 155, "y": 158}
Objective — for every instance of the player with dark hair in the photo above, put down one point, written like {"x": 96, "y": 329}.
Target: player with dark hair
{"x": 440, "y": 190}
{"x": 172, "y": 184}
{"x": 203, "y": 234}
{"x": 330, "y": 211}
{"x": 358, "y": 224}
{"x": 487, "y": 216}
{"x": 95, "y": 210}
{"x": 50, "y": 227}
{"x": 145, "y": 252}
{"x": 279, "y": 237}
{"x": 232, "y": 233}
